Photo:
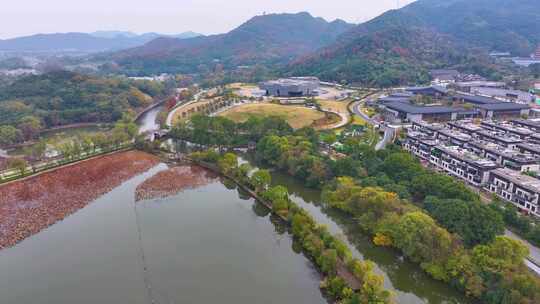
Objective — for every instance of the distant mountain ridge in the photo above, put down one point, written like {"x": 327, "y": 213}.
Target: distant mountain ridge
{"x": 267, "y": 39}
{"x": 81, "y": 42}
{"x": 400, "y": 46}
{"x": 497, "y": 25}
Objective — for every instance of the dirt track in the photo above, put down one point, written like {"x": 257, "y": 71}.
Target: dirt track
{"x": 29, "y": 206}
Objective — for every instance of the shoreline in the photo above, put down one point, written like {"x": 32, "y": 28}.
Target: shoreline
{"x": 30, "y": 205}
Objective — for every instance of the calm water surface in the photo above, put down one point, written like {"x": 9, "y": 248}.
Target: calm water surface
{"x": 205, "y": 245}
{"x": 405, "y": 279}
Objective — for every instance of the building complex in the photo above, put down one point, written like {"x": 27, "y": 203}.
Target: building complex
{"x": 499, "y": 157}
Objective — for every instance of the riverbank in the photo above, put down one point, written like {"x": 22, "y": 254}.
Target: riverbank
{"x": 31, "y": 205}
{"x": 342, "y": 265}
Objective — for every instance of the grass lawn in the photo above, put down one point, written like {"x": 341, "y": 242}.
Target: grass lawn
{"x": 297, "y": 117}
{"x": 338, "y": 106}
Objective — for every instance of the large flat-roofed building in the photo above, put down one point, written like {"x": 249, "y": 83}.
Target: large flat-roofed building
{"x": 466, "y": 86}
{"x": 401, "y": 111}
{"x": 521, "y": 190}
{"x": 503, "y": 110}
{"x": 505, "y": 95}
{"x": 474, "y": 99}
{"x": 434, "y": 91}
{"x": 291, "y": 87}
{"x": 462, "y": 163}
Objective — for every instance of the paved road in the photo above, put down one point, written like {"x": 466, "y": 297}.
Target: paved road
{"x": 388, "y": 131}
{"x": 170, "y": 116}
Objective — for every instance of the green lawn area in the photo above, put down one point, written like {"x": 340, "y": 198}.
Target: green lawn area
{"x": 296, "y": 116}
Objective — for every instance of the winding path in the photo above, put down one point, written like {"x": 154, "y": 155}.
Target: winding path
{"x": 389, "y": 132}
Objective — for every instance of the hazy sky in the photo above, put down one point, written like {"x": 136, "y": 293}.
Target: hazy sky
{"x": 25, "y": 17}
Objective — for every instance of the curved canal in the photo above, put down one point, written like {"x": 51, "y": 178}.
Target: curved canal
{"x": 408, "y": 282}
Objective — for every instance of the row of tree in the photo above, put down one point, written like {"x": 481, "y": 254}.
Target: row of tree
{"x": 435, "y": 220}
{"x": 76, "y": 147}
{"x": 493, "y": 272}
{"x": 447, "y": 231}
{"x": 325, "y": 250}
{"x": 224, "y": 133}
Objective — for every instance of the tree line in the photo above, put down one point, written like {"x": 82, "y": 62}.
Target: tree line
{"x": 324, "y": 249}
{"x": 34, "y": 103}
{"x": 435, "y": 220}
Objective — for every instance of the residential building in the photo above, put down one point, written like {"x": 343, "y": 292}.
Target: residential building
{"x": 531, "y": 124}
{"x": 462, "y": 163}
{"x": 420, "y": 144}
{"x": 465, "y": 126}
{"x": 535, "y": 138}
{"x": 521, "y": 190}
{"x": 453, "y": 137}
{"x": 499, "y": 138}
{"x": 522, "y": 133}
{"x": 291, "y": 87}
{"x": 503, "y": 110}
{"x": 506, "y": 157}
{"x": 474, "y": 99}
{"x": 430, "y": 129}
{"x": 530, "y": 147}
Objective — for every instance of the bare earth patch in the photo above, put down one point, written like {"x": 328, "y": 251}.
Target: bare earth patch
{"x": 31, "y": 205}
{"x": 172, "y": 181}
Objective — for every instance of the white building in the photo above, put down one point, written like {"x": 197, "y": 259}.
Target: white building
{"x": 521, "y": 190}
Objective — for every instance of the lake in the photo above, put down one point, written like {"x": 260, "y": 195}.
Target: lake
{"x": 207, "y": 244}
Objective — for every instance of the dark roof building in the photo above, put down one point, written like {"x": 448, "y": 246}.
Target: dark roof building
{"x": 477, "y": 100}
{"x": 503, "y": 110}
{"x": 435, "y": 91}
{"x": 398, "y": 110}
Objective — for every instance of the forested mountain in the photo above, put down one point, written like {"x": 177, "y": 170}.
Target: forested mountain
{"x": 392, "y": 56}
{"x": 274, "y": 38}
{"x": 59, "y": 98}
{"x": 400, "y": 46}
{"x": 81, "y": 42}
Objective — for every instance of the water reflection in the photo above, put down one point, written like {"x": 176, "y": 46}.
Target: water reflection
{"x": 408, "y": 281}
